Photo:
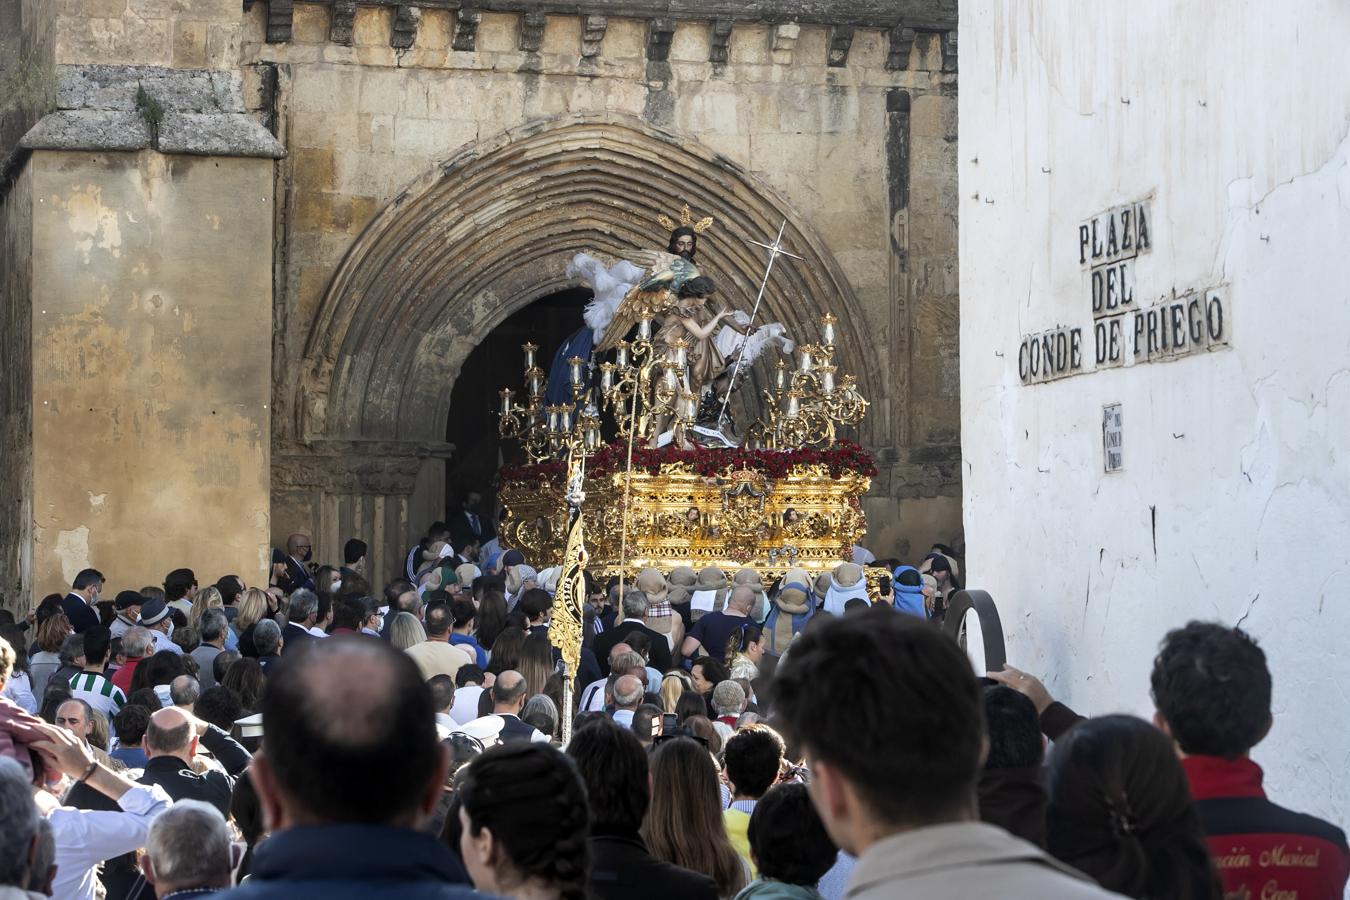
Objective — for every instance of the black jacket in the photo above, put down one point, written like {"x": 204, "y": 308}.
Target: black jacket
{"x": 621, "y": 869}
{"x": 294, "y": 637}
{"x": 353, "y": 862}
{"x": 660, "y": 653}
{"x": 81, "y": 615}
{"x": 181, "y": 783}
{"x": 1014, "y": 799}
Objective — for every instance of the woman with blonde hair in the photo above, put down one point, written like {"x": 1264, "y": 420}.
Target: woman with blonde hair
{"x": 684, "y": 824}
{"x": 254, "y": 605}
{"x": 673, "y": 685}
{"x": 405, "y": 631}
{"x": 209, "y": 598}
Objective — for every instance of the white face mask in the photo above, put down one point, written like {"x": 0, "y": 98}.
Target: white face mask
{"x": 169, "y": 633}
{"x": 337, "y": 583}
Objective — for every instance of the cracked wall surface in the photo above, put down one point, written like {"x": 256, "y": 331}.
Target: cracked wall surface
{"x": 1234, "y": 503}
{"x": 150, "y": 365}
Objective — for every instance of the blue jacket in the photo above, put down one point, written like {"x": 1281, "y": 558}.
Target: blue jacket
{"x": 908, "y": 598}
{"x": 353, "y": 862}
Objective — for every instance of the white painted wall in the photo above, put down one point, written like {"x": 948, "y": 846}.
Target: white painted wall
{"x": 1236, "y": 123}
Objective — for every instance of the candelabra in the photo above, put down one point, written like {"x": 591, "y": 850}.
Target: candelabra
{"x": 552, "y": 431}
{"x": 805, "y": 407}
{"x": 646, "y": 391}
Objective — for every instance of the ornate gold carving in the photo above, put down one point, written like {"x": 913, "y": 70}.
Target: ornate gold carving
{"x": 739, "y": 518}
{"x": 686, "y": 221}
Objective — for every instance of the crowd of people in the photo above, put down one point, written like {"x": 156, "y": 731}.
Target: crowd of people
{"x": 320, "y": 735}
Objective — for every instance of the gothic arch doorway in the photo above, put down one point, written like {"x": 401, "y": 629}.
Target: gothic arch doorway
{"x": 490, "y": 231}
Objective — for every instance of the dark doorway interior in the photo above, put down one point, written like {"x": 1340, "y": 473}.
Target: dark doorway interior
{"x": 494, "y": 364}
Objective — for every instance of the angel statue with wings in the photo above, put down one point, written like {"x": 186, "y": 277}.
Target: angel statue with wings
{"x": 673, "y": 292}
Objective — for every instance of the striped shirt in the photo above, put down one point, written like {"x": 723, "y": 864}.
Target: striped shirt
{"x": 100, "y": 693}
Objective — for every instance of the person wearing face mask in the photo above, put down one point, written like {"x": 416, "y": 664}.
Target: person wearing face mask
{"x": 156, "y": 619}
{"x": 78, "y": 605}
{"x": 292, "y": 573}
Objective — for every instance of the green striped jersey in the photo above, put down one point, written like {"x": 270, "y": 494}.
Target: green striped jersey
{"x": 98, "y": 692}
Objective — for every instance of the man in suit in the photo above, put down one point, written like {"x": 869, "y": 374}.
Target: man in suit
{"x": 508, "y": 697}
{"x": 634, "y": 608}
{"x": 78, "y": 604}
{"x": 470, "y": 525}
{"x": 304, "y": 612}
{"x": 292, "y": 573}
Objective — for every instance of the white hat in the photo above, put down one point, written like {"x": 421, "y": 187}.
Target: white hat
{"x": 487, "y": 729}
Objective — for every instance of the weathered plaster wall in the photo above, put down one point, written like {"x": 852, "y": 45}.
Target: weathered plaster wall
{"x": 1234, "y": 502}
{"x": 363, "y": 121}
{"x": 151, "y": 360}
{"x": 16, "y": 391}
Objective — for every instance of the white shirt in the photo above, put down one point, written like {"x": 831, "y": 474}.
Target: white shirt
{"x": 84, "y": 838}
{"x": 593, "y": 696}
{"x": 20, "y": 690}
{"x": 623, "y": 717}
{"x": 162, "y": 642}
{"x": 465, "y": 709}
{"x": 317, "y": 631}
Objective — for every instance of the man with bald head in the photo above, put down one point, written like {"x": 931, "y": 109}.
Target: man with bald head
{"x": 593, "y": 695}
{"x": 171, "y": 742}
{"x": 292, "y": 572}
{"x": 709, "y": 635}
{"x": 350, "y": 767}
{"x": 628, "y": 694}
{"x": 508, "y": 697}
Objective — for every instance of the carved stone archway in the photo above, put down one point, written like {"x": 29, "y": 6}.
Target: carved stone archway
{"x": 491, "y": 230}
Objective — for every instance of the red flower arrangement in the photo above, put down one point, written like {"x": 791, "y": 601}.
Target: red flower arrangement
{"x": 844, "y": 456}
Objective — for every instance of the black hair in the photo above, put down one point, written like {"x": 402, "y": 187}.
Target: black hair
{"x": 442, "y": 691}
{"x": 640, "y": 642}
{"x": 349, "y": 611}
{"x": 909, "y": 578}
{"x": 219, "y": 706}
{"x": 1014, "y": 729}
{"x": 827, "y": 692}
{"x": 130, "y": 723}
{"x": 246, "y": 811}
{"x": 221, "y": 662}
{"x": 507, "y": 650}
{"x": 787, "y": 838}
{"x": 690, "y": 704}
{"x": 177, "y": 583}
{"x": 395, "y": 589}
{"x": 701, "y": 286}
{"x": 530, "y": 796}
{"x": 97, "y": 641}
{"x": 491, "y": 616}
{"x": 753, "y": 757}
{"x": 1121, "y": 812}
{"x": 468, "y": 674}
{"x": 462, "y": 611}
{"x": 338, "y": 768}
{"x": 145, "y": 698}
{"x": 1212, "y": 686}
{"x": 613, "y": 767}
{"x": 352, "y": 551}
{"x": 713, "y": 671}
{"x": 855, "y": 605}
{"x": 683, "y": 231}
{"x": 230, "y": 588}
{"x": 161, "y": 668}
{"x": 87, "y": 578}
{"x": 437, "y": 529}
{"x": 645, "y": 718}
{"x": 534, "y": 603}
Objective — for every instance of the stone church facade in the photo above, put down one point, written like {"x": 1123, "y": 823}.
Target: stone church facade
{"x": 246, "y": 253}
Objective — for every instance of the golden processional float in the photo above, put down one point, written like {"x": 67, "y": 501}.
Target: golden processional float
{"x": 676, "y": 485}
